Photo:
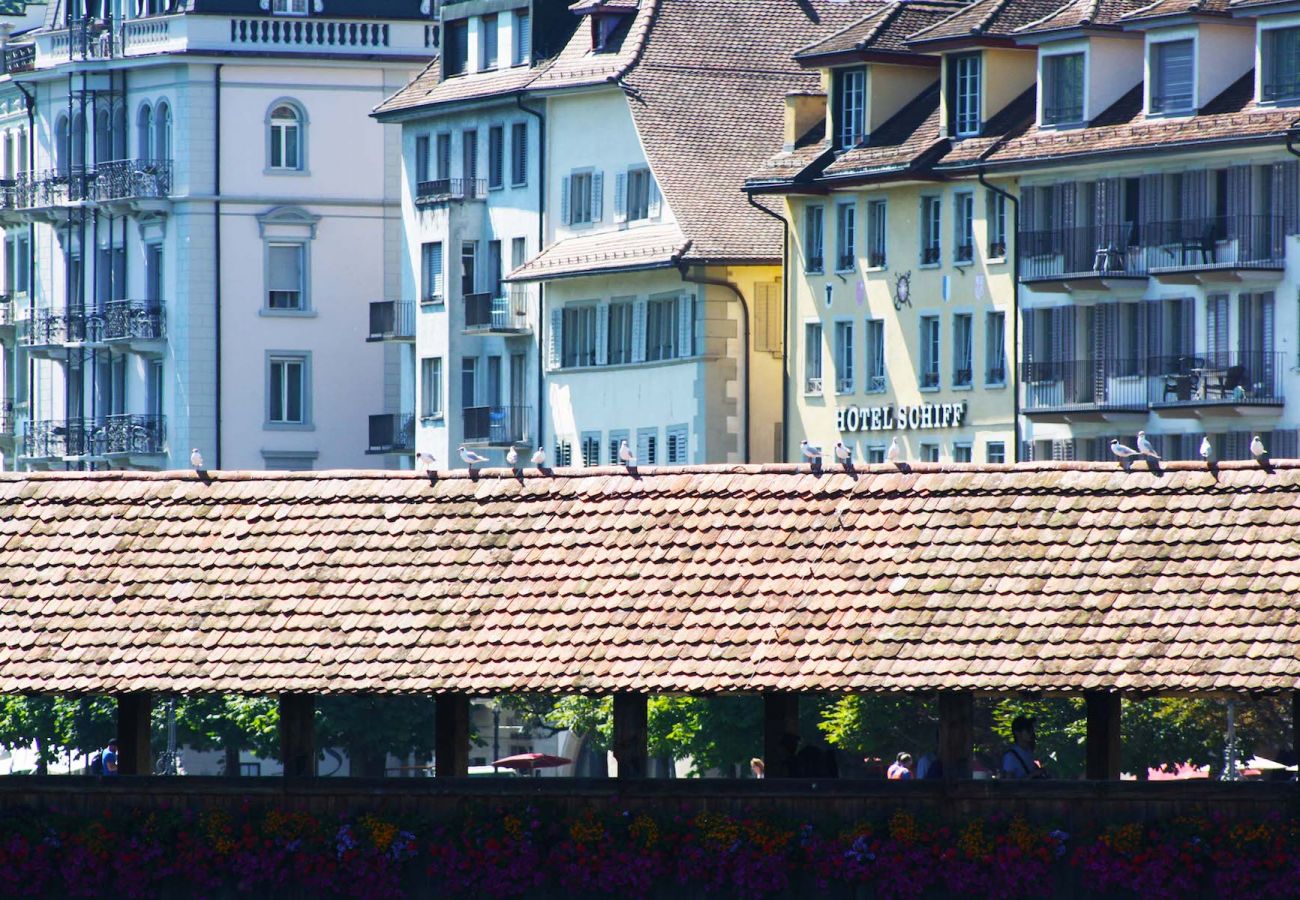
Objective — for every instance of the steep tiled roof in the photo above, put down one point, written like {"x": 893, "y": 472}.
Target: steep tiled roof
{"x": 1083, "y": 14}
{"x": 646, "y": 247}
{"x": 578, "y": 65}
{"x": 1048, "y": 577}
{"x": 1231, "y": 117}
{"x": 1012, "y": 120}
{"x": 903, "y": 141}
{"x": 429, "y": 89}
{"x": 883, "y": 30}
{"x": 1162, "y": 8}
{"x": 986, "y": 19}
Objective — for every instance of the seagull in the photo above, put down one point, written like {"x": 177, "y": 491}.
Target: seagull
{"x": 842, "y": 453}
{"x": 196, "y": 459}
{"x": 1207, "y": 449}
{"x": 895, "y": 451}
{"x": 470, "y": 458}
{"x": 512, "y": 457}
{"x": 1258, "y": 450}
{"x": 1144, "y": 446}
{"x": 539, "y": 458}
{"x": 426, "y": 462}
{"x": 625, "y": 455}
{"x": 811, "y": 451}
{"x": 1124, "y": 453}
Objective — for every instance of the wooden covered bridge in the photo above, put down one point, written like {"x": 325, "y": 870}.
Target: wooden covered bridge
{"x": 1066, "y": 579}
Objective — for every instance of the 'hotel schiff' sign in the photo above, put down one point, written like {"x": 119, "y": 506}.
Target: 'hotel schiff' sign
{"x": 891, "y": 418}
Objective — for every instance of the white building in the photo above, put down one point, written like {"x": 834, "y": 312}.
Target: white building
{"x": 196, "y": 221}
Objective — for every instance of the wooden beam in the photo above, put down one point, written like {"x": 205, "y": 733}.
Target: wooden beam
{"x": 631, "y": 737}
{"x": 298, "y": 735}
{"x": 1103, "y": 736}
{"x": 780, "y": 734}
{"x": 956, "y": 733}
{"x": 451, "y": 738}
{"x": 1295, "y": 725}
{"x": 133, "y": 754}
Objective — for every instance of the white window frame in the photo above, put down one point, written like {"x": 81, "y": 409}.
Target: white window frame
{"x": 431, "y": 405}
{"x": 842, "y": 350}
{"x": 580, "y": 323}
{"x": 930, "y": 371}
{"x": 989, "y": 317}
{"x": 1156, "y": 102}
{"x": 960, "y": 448}
{"x": 995, "y": 216}
{"x": 850, "y": 107}
{"x": 963, "y": 217}
{"x": 875, "y": 375}
{"x": 931, "y": 230}
{"x": 877, "y": 234}
{"x": 290, "y": 7}
{"x": 846, "y": 236}
{"x": 1049, "y": 75}
{"x": 304, "y": 278}
{"x": 814, "y": 256}
{"x": 963, "y": 355}
{"x": 995, "y": 452}
{"x": 1269, "y": 91}
{"x": 301, "y": 358}
{"x": 813, "y": 357}
{"x": 277, "y": 138}
{"x": 433, "y": 287}
{"x": 967, "y": 80}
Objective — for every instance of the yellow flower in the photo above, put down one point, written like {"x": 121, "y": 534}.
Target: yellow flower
{"x": 381, "y": 833}
{"x": 902, "y": 828}
{"x": 645, "y": 830}
{"x": 973, "y": 842}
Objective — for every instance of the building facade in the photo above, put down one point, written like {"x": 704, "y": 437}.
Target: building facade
{"x": 194, "y": 228}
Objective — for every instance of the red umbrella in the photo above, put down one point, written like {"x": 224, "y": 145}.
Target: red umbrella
{"x": 528, "y": 762}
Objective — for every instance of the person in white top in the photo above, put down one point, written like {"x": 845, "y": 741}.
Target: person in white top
{"x": 1019, "y": 762}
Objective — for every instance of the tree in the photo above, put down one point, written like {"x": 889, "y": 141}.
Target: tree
{"x": 227, "y": 722}
{"x": 369, "y": 727}
{"x": 54, "y": 726}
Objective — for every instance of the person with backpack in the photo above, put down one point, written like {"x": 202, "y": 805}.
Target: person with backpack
{"x": 901, "y": 770}
{"x": 1018, "y": 762}
{"x": 108, "y": 759}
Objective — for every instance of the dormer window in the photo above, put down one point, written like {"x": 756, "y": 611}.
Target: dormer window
{"x": 455, "y": 48}
{"x": 489, "y": 30}
{"x": 1172, "y": 76}
{"x": 966, "y": 95}
{"x": 1063, "y": 89}
{"x": 289, "y": 7}
{"x": 850, "y": 107}
{"x": 1281, "y": 64}
{"x": 602, "y": 31}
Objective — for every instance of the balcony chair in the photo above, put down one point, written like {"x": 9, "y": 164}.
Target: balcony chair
{"x": 1182, "y": 383}
{"x": 1202, "y": 243}
{"x": 1234, "y": 377}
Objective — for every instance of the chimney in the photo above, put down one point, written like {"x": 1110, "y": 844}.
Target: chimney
{"x": 803, "y": 110}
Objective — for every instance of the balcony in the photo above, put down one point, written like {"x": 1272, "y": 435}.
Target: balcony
{"x": 1217, "y": 382}
{"x": 47, "y": 189}
{"x": 1182, "y": 251}
{"x": 391, "y": 320}
{"x": 138, "y": 323}
{"x": 485, "y": 314}
{"x": 19, "y": 58}
{"x": 51, "y": 329}
{"x": 131, "y": 179}
{"x": 392, "y": 433}
{"x": 8, "y": 421}
{"x": 8, "y": 315}
{"x": 497, "y": 426}
{"x": 444, "y": 190}
{"x": 122, "y": 435}
{"x": 1083, "y": 389}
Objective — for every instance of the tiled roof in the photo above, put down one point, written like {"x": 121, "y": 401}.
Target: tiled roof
{"x": 578, "y": 65}
{"x": 901, "y": 142}
{"x": 882, "y": 30}
{"x": 1232, "y": 116}
{"x": 430, "y": 89}
{"x": 1083, "y": 14}
{"x": 1046, "y": 577}
{"x": 1012, "y": 120}
{"x": 707, "y": 96}
{"x": 1163, "y": 8}
{"x": 987, "y": 19}
{"x": 644, "y": 247}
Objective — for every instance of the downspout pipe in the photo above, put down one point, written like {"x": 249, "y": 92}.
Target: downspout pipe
{"x": 1015, "y": 304}
{"x": 216, "y": 246}
{"x": 541, "y": 243}
{"x": 683, "y": 267}
{"x": 785, "y": 324}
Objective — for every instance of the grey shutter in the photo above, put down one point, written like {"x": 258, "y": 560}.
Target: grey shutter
{"x": 1187, "y": 326}
{"x": 1026, "y": 451}
{"x": 602, "y": 333}
{"x": 655, "y": 206}
{"x": 638, "y": 331}
{"x": 686, "y": 326}
{"x": 620, "y": 197}
{"x": 1286, "y": 195}
{"x": 1062, "y": 324}
{"x": 1029, "y": 217}
{"x": 1216, "y": 329}
{"x": 1284, "y": 444}
{"x": 1064, "y": 450}
{"x": 564, "y": 201}
{"x": 1104, "y": 335}
{"x": 1068, "y": 194}
{"x": 1245, "y": 325}
{"x": 1108, "y": 202}
{"x": 597, "y": 196}
{"x": 1029, "y": 319}
{"x": 1151, "y": 209}
{"x": 1240, "y": 183}
{"x": 1195, "y": 199}
{"x": 1155, "y": 331}
{"x": 555, "y": 339}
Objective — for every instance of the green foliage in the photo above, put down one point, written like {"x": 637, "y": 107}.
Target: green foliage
{"x": 1061, "y": 726}
{"x": 56, "y": 725}
{"x": 223, "y": 722}
{"x": 590, "y": 717}
{"x": 370, "y": 727}
{"x": 880, "y": 725}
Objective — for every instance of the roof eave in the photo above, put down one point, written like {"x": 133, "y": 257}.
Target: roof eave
{"x": 963, "y": 42}
{"x": 1040, "y": 162}
{"x": 1169, "y": 20}
{"x": 593, "y": 273}
{"x": 890, "y": 57}
{"x": 1071, "y": 32}
{"x": 1276, "y": 6}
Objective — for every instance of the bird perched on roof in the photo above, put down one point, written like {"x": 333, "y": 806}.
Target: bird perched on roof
{"x": 1259, "y": 451}
{"x": 842, "y": 453}
{"x": 895, "y": 451}
{"x": 810, "y": 451}
{"x": 539, "y": 457}
{"x": 196, "y": 460}
{"x": 512, "y": 458}
{"x": 1144, "y": 446}
{"x": 426, "y": 462}
{"x": 470, "y": 458}
{"x": 1207, "y": 449}
{"x": 625, "y": 454}
{"x": 1124, "y": 453}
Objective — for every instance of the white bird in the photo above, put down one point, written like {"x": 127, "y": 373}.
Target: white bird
{"x": 1257, "y": 449}
{"x": 1207, "y": 449}
{"x": 470, "y": 458}
{"x": 811, "y": 451}
{"x": 426, "y": 462}
{"x": 1123, "y": 452}
{"x": 625, "y": 455}
{"x": 512, "y": 457}
{"x": 895, "y": 451}
{"x": 1144, "y": 446}
{"x": 539, "y": 457}
{"x": 842, "y": 453}
{"x": 196, "y": 459}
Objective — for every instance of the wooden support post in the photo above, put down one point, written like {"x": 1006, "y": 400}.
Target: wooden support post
{"x": 133, "y": 754}
{"x": 956, "y": 737}
{"x": 780, "y": 734}
{"x": 1103, "y": 736}
{"x": 451, "y": 740}
{"x": 631, "y": 737}
{"x": 298, "y": 735}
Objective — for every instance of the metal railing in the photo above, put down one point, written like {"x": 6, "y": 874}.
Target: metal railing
{"x": 51, "y": 327}
{"x": 132, "y": 320}
{"x": 134, "y": 435}
{"x": 116, "y": 435}
{"x": 130, "y": 179}
{"x": 8, "y": 421}
{"x": 498, "y": 426}
{"x": 508, "y": 314}
{"x": 392, "y": 433}
{"x": 1085, "y": 385}
{"x": 391, "y": 320}
{"x": 1222, "y": 378}
{"x": 1098, "y": 249}
{"x": 20, "y": 58}
{"x": 1064, "y": 114}
{"x": 30, "y": 190}
{"x": 440, "y": 190}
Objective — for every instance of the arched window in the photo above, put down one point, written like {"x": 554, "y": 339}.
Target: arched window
{"x": 79, "y": 142}
{"x": 61, "y": 148}
{"x": 286, "y": 127}
{"x": 162, "y": 131}
{"x": 144, "y": 132}
{"x": 119, "y": 131}
{"x": 103, "y": 137}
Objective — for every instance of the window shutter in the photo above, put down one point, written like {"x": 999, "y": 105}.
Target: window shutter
{"x": 1108, "y": 199}
{"x": 1151, "y": 204}
{"x": 620, "y": 197}
{"x": 1155, "y": 329}
{"x": 564, "y": 201}
{"x": 1194, "y": 197}
{"x": 1104, "y": 350}
{"x": 1030, "y": 317}
{"x": 597, "y": 196}
{"x": 638, "y": 331}
{"x": 686, "y": 326}
{"x": 555, "y": 339}
{"x": 1216, "y": 329}
{"x": 1029, "y": 209}
{"x": 1026, "y": 451}
{"x": 1186, "y": 326}
{"x": 602, "y": 333}
{"x": 1240, "y": 179}
{"x": 1286, "y": 195}
{"x": 1284, "y": 444}
{"x": 655, "y": 206}
{"x": 1069, "y": 195}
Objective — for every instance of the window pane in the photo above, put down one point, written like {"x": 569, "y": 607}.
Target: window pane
{"x": 277, "y": 392}
{"x": 293, "y": 391}
{"x": 1173, "y": 83}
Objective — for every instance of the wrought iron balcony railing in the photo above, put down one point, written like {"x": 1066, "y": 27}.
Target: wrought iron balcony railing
{"x": 507, "y": 314}
{"x": 20, "y": 58}
{"x": 498, "y": 426}
{"x": 116, "y": 435}
{"x": 1082, "y": 385}
{"x": 1222, "y": 378}
{"x": 132, "y": 179}
{"x": 441, "y": 190}
{"x": 131, "y": 320}
{"x": 391, "y": 320}
{"x": 392, "y": 433}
